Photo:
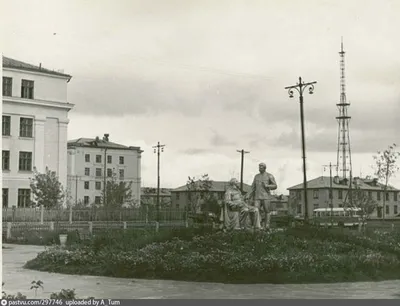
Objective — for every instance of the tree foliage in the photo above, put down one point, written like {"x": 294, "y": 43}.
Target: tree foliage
{"x": 47, "y": 189}
{"x": 199, "y": 191}
{"x": 386, "y": 167}
{"x": 117, "y": 194}
{"x": 360, "y": 199}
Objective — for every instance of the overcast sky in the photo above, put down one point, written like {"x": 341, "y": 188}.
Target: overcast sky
{"x": 207, "y": 78}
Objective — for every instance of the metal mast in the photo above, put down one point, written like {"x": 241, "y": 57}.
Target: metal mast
{"x": 343, "y": 149}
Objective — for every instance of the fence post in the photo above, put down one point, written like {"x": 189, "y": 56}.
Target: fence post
{"x": 9, "y": 224}
{"x": 124, "y": 225}
{"x": 392, "y": 226}
{"x": 90, "y": 227}
{"x": 157, "y": 227}
{"x": 41, "y": 214}
{"x": 147, "y": 214}
{"x": 52, "y": 226}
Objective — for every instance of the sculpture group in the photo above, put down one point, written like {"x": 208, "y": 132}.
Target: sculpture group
{"x": 244, "y": 212}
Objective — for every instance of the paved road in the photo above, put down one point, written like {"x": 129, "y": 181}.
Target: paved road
{"x": 18, "y": 279}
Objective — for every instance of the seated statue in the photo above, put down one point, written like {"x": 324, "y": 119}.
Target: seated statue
{"x": 235, "y": 211}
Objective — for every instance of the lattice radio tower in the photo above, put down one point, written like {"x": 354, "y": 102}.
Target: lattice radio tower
{"x": 343, "y": 151}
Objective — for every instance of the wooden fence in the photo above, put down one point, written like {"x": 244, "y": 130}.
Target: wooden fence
{"x": 23, "y": 230}
{"x": 141, "y": 214}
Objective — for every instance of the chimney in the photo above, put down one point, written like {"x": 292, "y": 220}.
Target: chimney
{"x": 105, "y": 138}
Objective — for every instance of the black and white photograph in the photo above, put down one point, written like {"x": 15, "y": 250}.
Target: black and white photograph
{"x": 200, "y": 149}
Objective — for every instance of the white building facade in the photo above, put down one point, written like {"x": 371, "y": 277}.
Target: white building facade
{"x": 91, "y": 162}
{"x": 34, "y": 127}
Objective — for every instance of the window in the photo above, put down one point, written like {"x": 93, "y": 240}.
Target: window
{"x": 177, "y": 205}
{"x": 340, "y": 194}
{"x": 378, "y": 195}
{"x": 26, "y": 127}
{"x": 109, "y": 159}
{"x": 27, "y": 89}
{"x": 6, "y": 125}
{"x": 87, "y": 171}
{"x": 178, "y": 195}
{"x": 330, "y": 194}
{"x": 395, "y": 211}
{"x": 387, "y": 209}
{"x": 315, "y": 194}
{"x": 340, "y": 205}
{"x": 97, "y": 200}
{"x": 98, "y": 158}
{"x": 86, "y": 200}
{"x": 6, "y": 160}
{"x": 109, "y": 172}
{"x": 98, "y": 185}
{"x": 5, "y": 197}
{"x": 316, "y": 206}
{"x": 7, "y": 86}
{"x": 86, "y": 185}
{"x": 299, "y": 208}
{"x": 121, "y": 160}
{"x": 24, "y": 197}
{"x": 298, "y": 195}
{"x": 98, "y": 172}
{"x": 387, "y": 196}
{"x": 369, "y": 194}
{"x": 87, "y": 158}
{"x": 121, "y": 174}
{"x": 395, "y": 196}
{"x": 25, "y": 161}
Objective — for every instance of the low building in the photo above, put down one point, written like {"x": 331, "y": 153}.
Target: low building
{"x": 180, "y": 197}
{"x": 318, "y": 191}
{"x": 91, "y": 162}
{"x": 148, "y": 196}
{"x": 279, "y": 203}
{"x": 34, "y": 127}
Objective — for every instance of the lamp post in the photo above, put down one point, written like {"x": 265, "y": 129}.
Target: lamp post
{"x": 157, "y": 149}
{"x": 300, "y": 87}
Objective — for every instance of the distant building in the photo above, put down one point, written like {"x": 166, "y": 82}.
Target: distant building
{"x": 180, "y": 196}
{"x": 279, "y": 203}
{"x": 34, "y": 127}
{"x": 91, "y": 161}
{"x": 318, "y": 195}
{"x": 148, "y": 196}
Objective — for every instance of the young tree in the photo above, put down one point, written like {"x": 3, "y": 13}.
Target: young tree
{"x": 47, "y": 189}
{"x": 360, "y": 199}
{"x": 385, "y": 168}
{"x": 117, "y": 194}
{"x": 199, "y": 191}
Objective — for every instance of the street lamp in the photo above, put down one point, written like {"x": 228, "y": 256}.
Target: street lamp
{"x": 300, "y": 87}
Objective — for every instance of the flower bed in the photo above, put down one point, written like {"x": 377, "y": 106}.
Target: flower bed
{"x": 291, "y": 256}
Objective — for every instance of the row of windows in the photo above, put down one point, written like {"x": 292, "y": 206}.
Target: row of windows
{"x": 24, "y": 163}
{"x": 25, "y": 126}
{"x": 86, "y": 200}
{"x": 24, "y": 197}
{"x": 109, "y": 172}
{"x": 27, "y": 88}
{"x": 99, "y": 158}
{"x": 340, "y": 195}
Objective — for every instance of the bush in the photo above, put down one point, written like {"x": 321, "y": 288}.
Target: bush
{"x": 298, "y": 255}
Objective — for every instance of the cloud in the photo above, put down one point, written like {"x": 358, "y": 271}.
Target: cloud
{"x": 196, "y": 151}
{"x": 219, "y": 140}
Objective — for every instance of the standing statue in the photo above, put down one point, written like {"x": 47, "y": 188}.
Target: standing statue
{"x": 235, "y": 211}
{"x": 262, "y": 185}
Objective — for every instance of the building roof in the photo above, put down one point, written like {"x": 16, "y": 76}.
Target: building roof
{"x": 217, "y": 186}
{"x": 323, "y": 182}
{"x": 98, "y": 143}
{"x": 15, "y": 64}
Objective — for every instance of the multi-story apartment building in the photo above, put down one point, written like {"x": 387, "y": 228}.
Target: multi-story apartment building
{"x": 93, "y": 161}
{"x": 318, "y": 191}
{"x": 180, "y": 197}
{"x": 34, "y": 127}
{"x": 148, "y": 196}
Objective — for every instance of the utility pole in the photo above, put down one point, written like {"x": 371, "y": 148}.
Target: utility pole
{"x": 76, "y": 189}
{"x": 157, "y": 150}
{"x": 300, "y": 87}
{"x": 330, "y": 189}
{"x": 242, "y": 152}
